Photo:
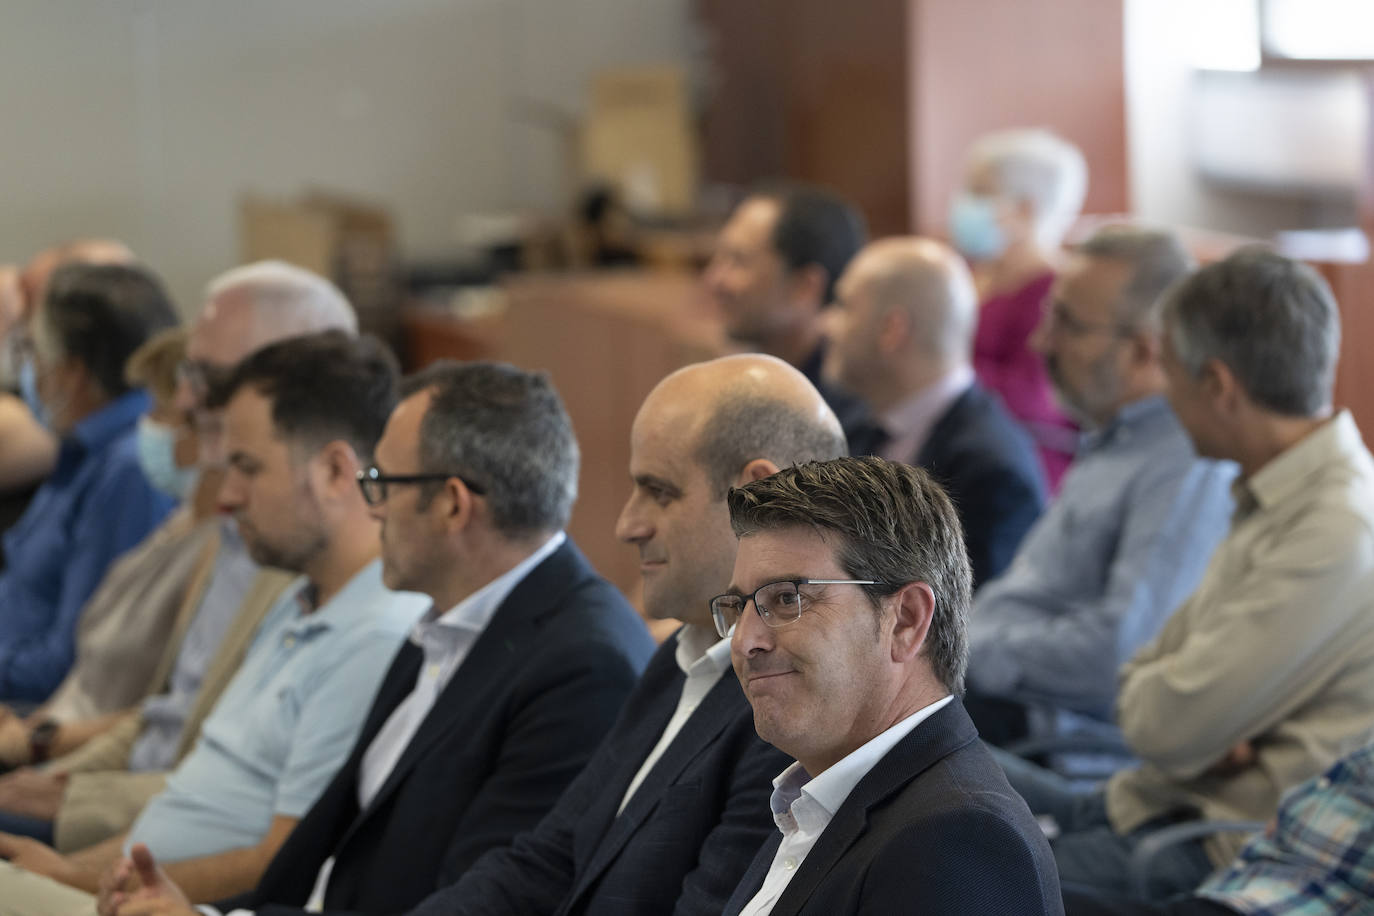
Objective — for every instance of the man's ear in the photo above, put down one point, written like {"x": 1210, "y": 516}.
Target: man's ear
{"x": 894, "y": 329}
{"x": 808, "y": 284}
{"x": 460, "y": 505}
{"x": 757, "y": 469}
{"x": 914, "y": 609}
{"x": 339, "y": 466}
{"x": 1220, "y": 385}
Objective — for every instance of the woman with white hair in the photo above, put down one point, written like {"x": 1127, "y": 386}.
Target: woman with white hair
{"x": 1022, "y": 190}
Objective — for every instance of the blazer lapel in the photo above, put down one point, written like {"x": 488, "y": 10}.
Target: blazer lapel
{"x": 937, "y": 737}
{"x": 698, "y": 733}
{"x": 752, "y": 881}
{"x": 505, "y": 636}
{"x": 931, "y": 449}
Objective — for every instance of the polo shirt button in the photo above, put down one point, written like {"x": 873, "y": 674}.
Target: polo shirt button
{"x": 1323, "y": 784}
{"x": 288, "y": 641}
{"x": 789, "y": 863}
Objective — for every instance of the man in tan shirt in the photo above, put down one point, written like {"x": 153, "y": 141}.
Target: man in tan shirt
{"x": 1265, "y": 676}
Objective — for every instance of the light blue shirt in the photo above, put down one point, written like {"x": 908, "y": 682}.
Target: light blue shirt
{"x": 164, "y": 714}
{"x": 1128, "y": 538}
{"x": 286, "y": 721}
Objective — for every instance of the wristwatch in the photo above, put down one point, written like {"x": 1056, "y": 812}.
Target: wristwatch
{"x": 41, "y": 740}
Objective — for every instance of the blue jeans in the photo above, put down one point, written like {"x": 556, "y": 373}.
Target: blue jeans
{"x": 1089, "y": 853}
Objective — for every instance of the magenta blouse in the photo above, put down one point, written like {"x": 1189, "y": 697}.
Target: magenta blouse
{"x": 1006, "y": 364}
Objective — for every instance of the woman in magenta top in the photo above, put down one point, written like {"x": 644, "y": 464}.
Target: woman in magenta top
{"x": 1022, "y": 190}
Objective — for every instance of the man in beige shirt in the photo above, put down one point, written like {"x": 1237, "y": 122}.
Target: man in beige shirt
{"x": 1265, "y": 676}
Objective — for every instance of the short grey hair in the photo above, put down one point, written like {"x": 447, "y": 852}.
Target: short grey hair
{"x": 746, "y": 427}
{"x": 287, "y": 299}
{"x": 1036, "y": 165}
{"x": 1157, "y": 260}
{"x": 504, "y": 429}
{"x": 1271, "y": 320}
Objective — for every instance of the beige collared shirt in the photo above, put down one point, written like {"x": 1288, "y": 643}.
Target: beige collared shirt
{"x": 1275, "y": 648}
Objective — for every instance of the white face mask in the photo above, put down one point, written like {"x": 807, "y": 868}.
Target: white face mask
{"x": 157, "y": 457}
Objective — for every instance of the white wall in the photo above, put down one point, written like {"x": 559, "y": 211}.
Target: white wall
{"x": 1166, "y": 187}
{"x": 146, "y": 119}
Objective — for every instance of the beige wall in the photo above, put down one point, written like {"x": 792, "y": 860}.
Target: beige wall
{"x": 144, "y": 119}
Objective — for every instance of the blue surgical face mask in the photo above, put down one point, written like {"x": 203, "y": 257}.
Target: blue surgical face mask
{"x": 974, "y": 228}
{"x": 28, "y": 390}
{"x": 157, "y": 457}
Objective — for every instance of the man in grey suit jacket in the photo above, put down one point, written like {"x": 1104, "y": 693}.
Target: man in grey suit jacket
{"x": 847, "y": 614}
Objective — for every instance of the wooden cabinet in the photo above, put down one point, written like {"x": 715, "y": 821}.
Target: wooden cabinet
{"x": 879, "y": 99}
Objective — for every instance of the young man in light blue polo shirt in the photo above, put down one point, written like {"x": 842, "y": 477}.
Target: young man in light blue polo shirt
{"x": 302, "y": 420}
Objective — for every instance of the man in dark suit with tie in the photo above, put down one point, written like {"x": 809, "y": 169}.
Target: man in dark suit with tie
{"x": 902, "y": 338}
{"x": 508, "y": 684}
{"x": 847, "y": 614}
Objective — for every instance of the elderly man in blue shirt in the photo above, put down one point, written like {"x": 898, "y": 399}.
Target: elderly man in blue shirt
{"x": 97, "y": 502}
{"x": 1135, "y": 523}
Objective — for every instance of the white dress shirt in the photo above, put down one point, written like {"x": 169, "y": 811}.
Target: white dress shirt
{"x": 703, "y": 656}
{"x": 446, "y": 641}
{"x": 803, "y": 806}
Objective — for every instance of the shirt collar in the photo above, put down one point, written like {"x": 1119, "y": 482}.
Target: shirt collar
{"x": 919, "y": 412}
{"x": 699, "y": 648}
{"x": 476, "y": 610}
{"x": 1129, "y": 418}
{"x": 110, "y": 421}
{"x": 826, "y": 792}
{"x": 1288, "y": 472}
{"x": 351, "y": 607}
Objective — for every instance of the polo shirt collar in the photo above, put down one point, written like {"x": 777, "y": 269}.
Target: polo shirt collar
{"x": 351, "y": 608}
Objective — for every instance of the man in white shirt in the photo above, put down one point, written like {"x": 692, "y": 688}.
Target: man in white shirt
{"x": 847, "y": 615}
{"x": 507, "y": 684}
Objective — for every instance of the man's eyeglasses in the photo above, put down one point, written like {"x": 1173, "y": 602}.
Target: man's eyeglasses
{"x": 1063, "y": 320}
{"x": 777, "y": 603}
{"x": 208, "y": 382}
{"x": 373, "y": 483}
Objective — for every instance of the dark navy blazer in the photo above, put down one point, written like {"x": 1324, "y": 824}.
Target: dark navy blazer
{"x": 934, "y": 828}
{"x": 681, "y": 844}
{"x": 516, "y": 723}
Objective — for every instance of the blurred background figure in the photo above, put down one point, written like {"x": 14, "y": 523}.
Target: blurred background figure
{"x": 96, "y": 504}
{"x": 902, "y": 335}
{"x": 28, "y": 449}
{"x": 1022, "y": 190}
{"x": 773, "y": 273}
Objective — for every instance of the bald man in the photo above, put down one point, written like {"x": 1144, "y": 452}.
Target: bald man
{"x": 902, "y": 339}
{"x": 669, "y": 812}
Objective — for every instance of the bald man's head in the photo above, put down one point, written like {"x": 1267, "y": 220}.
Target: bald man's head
{"x": 703, "y": 429}
{"x": 907, "y": 311}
